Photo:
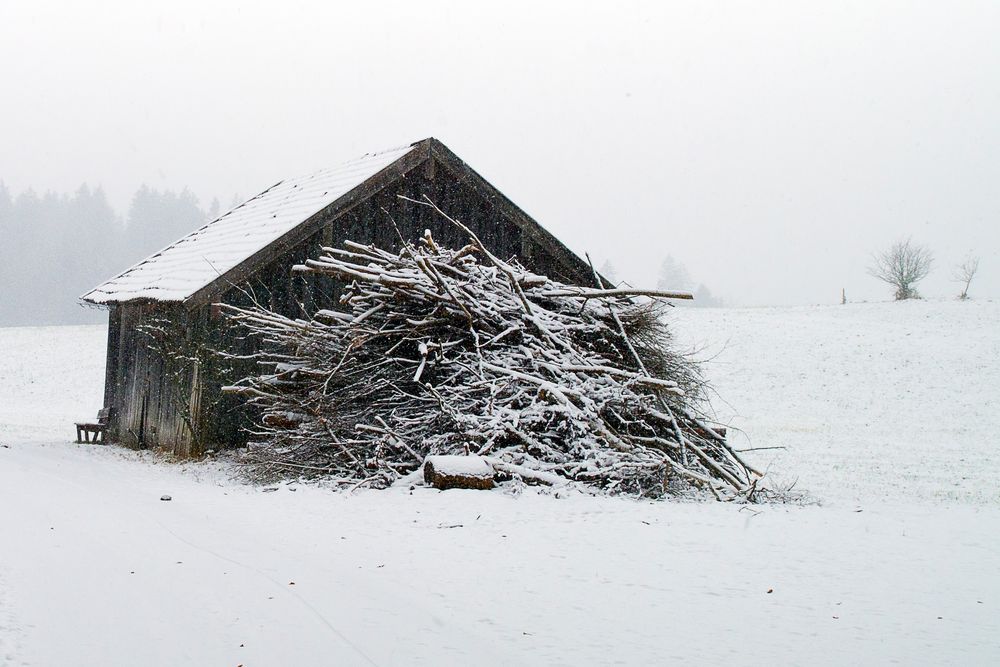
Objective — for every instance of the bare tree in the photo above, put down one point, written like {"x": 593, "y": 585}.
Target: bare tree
{"x": 964, "y": 273}
{"x": 902, "y": 265}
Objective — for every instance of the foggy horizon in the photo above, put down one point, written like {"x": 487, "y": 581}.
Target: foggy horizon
{"x": 770, "y": 149}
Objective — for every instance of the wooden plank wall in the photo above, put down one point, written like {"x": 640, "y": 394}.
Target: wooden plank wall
{"x": 143, "y": 396}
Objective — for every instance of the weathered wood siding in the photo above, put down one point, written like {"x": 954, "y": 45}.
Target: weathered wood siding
{"x": 145, "y": 390}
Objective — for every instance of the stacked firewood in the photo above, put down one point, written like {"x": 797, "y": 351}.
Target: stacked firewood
{"x": 442, "y": 351}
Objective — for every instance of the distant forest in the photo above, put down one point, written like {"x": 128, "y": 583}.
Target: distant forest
{"x": 54, "y": 247}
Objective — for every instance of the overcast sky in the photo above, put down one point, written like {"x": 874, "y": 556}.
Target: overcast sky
{"x": 768, "y": 146}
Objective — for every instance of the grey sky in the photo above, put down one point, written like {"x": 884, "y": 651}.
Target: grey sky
{"x": 769, "y": 146}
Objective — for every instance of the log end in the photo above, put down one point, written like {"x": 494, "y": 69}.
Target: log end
{"x": 458, "y": 472}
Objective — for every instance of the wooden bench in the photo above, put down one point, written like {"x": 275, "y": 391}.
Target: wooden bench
{"x": 85, "y": 430}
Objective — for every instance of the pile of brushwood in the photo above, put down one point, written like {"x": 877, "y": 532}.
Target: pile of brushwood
{"x": 441, "y": 351}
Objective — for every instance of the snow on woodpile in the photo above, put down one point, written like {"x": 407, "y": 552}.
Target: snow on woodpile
{"x": 445, "y": 351}
{"x": 182, "y": 268}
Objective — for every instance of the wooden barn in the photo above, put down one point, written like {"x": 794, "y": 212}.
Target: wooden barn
{"x": 164, "y": 379}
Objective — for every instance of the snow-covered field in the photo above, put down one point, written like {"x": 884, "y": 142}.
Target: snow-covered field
{"x": 873, "y": 401}
{"x": 889, "y": 414}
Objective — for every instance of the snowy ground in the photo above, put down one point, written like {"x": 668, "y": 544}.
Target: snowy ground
{"x": 889, "y": 412}
{"x": 873, "y": 401}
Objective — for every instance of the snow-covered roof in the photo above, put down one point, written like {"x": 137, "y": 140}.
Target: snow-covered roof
{"x": 181, "y": 269}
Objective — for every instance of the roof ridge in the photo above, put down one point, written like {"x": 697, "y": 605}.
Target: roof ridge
{"x": 359, "y": 158}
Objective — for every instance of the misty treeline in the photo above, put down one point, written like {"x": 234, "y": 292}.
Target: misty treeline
{"x": 55, "y": 246}
{"x": 673, "y": 276}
